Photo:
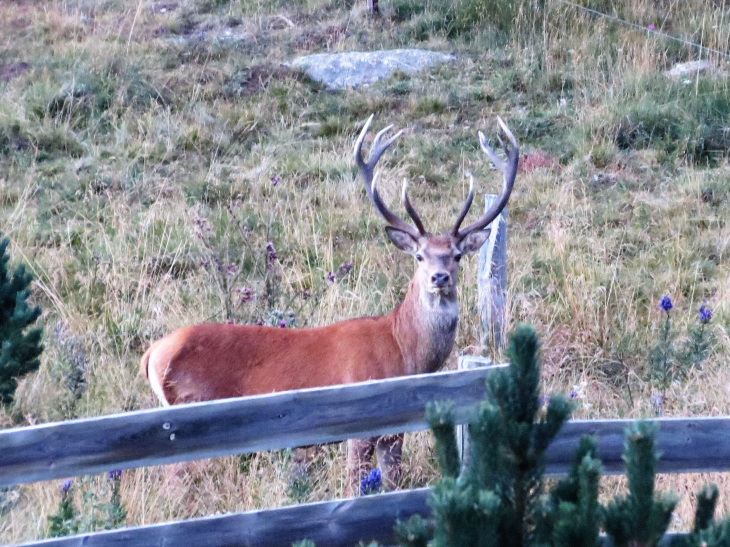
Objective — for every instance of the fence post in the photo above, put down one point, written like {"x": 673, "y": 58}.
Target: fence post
{"x": 467, "y": 362}
{"x": 492, "y": 287}
{"x": 492, "y": 281}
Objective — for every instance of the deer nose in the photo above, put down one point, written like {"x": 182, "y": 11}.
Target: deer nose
{"x": 440, "y": 279}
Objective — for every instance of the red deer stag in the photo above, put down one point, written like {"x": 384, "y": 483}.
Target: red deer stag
{"x": 214, "y": 361}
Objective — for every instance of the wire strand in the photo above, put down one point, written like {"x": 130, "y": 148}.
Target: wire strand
{"x": 647, "y": 29}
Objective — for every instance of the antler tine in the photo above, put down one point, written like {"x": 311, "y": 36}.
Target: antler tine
{"x": 509, "y": 168}
{"x": 387, "y": 214}
{"x": 465, "y": 209}
{"x": 410, "y": 210}
{"x": 367, "y": 168}
{"x": 367, "y": 172}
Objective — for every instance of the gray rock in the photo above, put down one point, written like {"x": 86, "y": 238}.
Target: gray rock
{"x": 691, "y": 68}
{"x": 355, "y": 69}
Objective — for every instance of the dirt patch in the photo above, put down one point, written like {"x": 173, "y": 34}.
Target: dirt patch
{"x": 537, "y": 160}
{"x": 249, "y": 81}
{"x": 13, "y": 70}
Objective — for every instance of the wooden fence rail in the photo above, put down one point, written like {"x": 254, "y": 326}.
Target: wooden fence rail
{"x": 282, "y": 420}
{"x": 329, "y": 524}
{"x": 232, "y": 426}
{"x": 311, "y": 416}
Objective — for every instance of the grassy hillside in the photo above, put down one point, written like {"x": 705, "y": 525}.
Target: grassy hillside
{"x": 160, "y": 167}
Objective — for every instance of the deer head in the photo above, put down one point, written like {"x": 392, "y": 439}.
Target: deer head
{"x": 437, "y": 256}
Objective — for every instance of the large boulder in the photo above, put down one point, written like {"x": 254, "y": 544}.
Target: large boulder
{"x": 355, "y": 69}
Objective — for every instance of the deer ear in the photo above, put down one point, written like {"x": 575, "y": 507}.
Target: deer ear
{"x": 474, "y": 241}
{"x": 403, "y": 240}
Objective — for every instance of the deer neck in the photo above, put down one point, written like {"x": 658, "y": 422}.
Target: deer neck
{"x": 424, "y": 326}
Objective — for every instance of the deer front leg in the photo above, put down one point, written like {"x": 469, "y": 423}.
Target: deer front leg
{"x": 359, "y": 461}
{"x": 389, "y": 450}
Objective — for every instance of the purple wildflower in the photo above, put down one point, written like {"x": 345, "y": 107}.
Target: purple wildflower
{"x": 281, "y": 324}
{"x": 371, "y": 483}
{"x": 246, "y": 294}
{"x": 344, "y": 268}
{"x": 331, "y": 277}
{"x": 656, "y": 400}
{"x": 66, "y": 486}
{"x": 573, "y": 394}
{"x": 116, "y": 474}
{"x": 275, "y": 180}
{"x": 231, "y": 269}
{"x": 651, "y": 27}
{"x": 705, "y": 314}
{"x": 665, "y": 303}
{"x": 270, "y": 252}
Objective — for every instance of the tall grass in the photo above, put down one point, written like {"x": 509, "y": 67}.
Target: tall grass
{"x": 136, "y": 126}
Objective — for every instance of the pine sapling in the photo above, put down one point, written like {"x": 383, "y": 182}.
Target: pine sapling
{"x": 640, "y": 519}
{"x": 573, "y": 514}
{"x": 495, "y": 500}
{"x": 20, "y": 345}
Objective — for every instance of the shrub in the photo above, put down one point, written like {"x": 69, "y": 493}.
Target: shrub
{"x": 20, "y": 346}
{"x": 497, "y": 498}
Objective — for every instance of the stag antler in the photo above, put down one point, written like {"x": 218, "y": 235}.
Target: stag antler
{"x": 509, "y": 168}
{"x": 370, "y": 178}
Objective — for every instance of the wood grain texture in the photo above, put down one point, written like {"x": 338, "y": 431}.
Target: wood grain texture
{"x": 328, "y": 524}
{"x": 686, "y": 445}
{"x": 232, "y": 426}
{"x": 492, "y": 280}
{"x": 340, "y": 523}
{"x": 296, "y": 418}
{"x": 467, "y": 362}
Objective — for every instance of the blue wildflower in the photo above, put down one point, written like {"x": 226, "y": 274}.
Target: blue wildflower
{"x": 116, "y": 474}
{"x": 66, "y": 486}
{"x": 573, "y": 394}
{"x": 705, "y": 314}
{"x": 656, "y": 400}
{"x": 371, "y": 483}
{"x": 665, "y": 303}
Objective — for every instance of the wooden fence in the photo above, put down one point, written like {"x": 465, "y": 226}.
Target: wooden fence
{"x": 312, "y": 416}
{"x": 296, "y": 418}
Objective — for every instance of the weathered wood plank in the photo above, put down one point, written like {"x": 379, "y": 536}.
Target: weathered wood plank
{"x": 296, "y": 418}
{"x": 686, "y": 445}
{"x": 467, "y": 362}
{"x": 339, "y": 523}
{"x": 233, "y": 426}
{"x": 329, "y": 524}
{"x": 492, "y": 280}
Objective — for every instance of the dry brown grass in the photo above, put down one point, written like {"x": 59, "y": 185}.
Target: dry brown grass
{"x": 100, "y": 195}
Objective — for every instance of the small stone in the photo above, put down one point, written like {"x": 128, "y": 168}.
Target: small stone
{"x": 689, "y": 69}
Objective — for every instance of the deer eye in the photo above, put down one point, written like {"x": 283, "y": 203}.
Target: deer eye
{"x": 419, "y": 257}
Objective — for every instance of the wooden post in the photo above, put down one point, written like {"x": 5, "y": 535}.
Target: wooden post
{"x": 492, "y": 281}
{"x": 492, "y": 287}
{"x": 467, "y": 362}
